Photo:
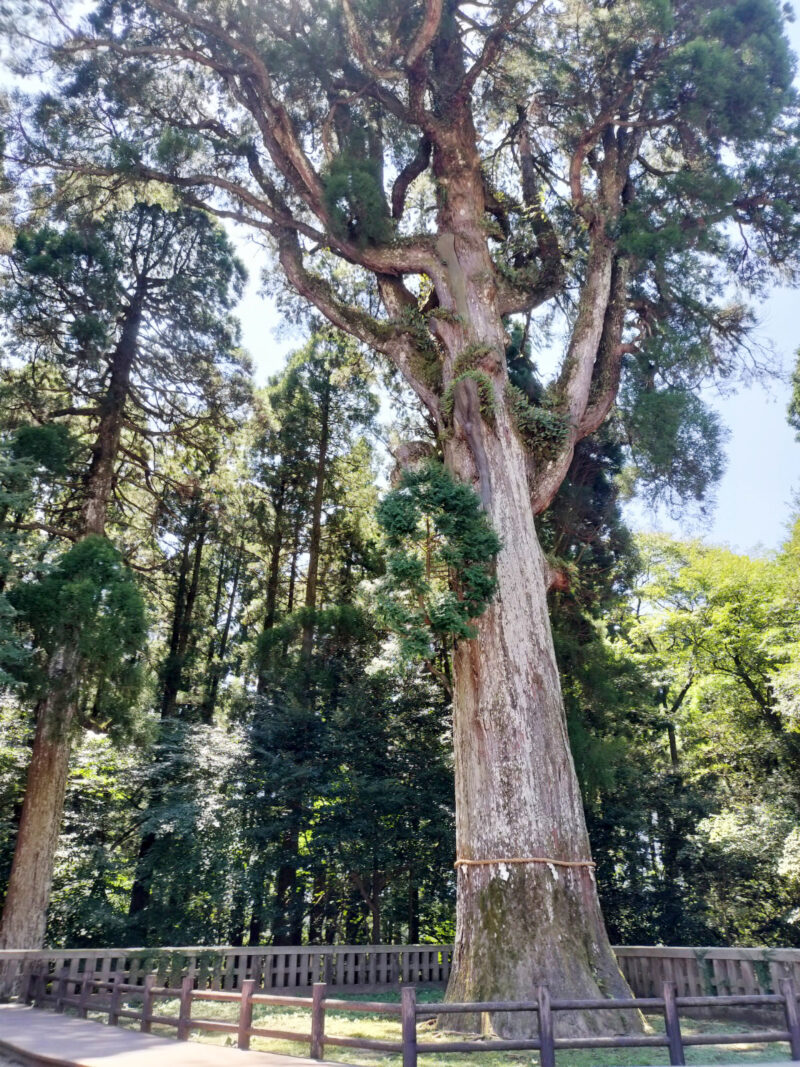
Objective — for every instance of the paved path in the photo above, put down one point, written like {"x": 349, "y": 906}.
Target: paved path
{"x": 61, "y": 1040}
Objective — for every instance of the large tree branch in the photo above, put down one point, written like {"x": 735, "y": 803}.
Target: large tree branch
{"x": 594, "y": 358}
{"x": 608, "y": 367}
{"x": 515, "y": 298}
{"x": 407, "y": 175}
{"x": 426, "y": 32}
{"x": 389, "y": 338}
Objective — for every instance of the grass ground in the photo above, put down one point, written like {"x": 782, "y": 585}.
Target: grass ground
{"x": 387, "y": 1028}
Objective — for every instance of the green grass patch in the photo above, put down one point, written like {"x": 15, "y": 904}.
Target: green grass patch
{"x": 343, "y": 1023}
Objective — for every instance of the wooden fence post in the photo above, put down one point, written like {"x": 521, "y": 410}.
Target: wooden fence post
{"x": 147, "y": 1004}
{"x": 318, "y": 993}
{"x": 40, "y": 988}
{"x": 116, "y": 996}
{"x": 61, "y": 989}
{"x": 408, "y": 1018}
{"x": 789, "y": 994}
{"x": 245, "y": 1013}
{"x": 673, "y": 1026}
{"x": 86, "y": 992}
{"x": 547, "y": 1048}
{"x": 185, "y": 1010}
{"x": 28, "y": 982}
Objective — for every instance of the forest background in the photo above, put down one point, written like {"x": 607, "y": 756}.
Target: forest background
{"x": 258, "y": 762}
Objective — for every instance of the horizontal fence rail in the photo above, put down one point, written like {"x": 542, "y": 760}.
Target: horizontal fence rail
{"x": 115, "y": 998}
{"x": 696, "y": 972}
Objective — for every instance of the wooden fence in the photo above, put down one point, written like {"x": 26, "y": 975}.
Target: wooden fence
{"x": 695, "y": 971}
{"x": 114, "y": 997}
{"x": 352, "y": 967}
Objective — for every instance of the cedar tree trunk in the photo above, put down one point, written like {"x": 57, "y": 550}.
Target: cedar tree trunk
{"x": 517, "y": 794}
{"x": 30, "y": 882}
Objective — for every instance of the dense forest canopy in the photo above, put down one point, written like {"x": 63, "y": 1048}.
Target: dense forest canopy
{"x": 452, "y": 187}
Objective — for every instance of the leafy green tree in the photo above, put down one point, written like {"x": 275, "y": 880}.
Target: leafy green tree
{"x": 715, "y": 631}
{"x": 124, "y": 326}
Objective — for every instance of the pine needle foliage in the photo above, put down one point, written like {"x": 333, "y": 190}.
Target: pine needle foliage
{"x": 92, "y": 593}
{"x": 441, "y": 550}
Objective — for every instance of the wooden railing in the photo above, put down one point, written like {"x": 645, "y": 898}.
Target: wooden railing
{"x": 694, "y": 971}
{"x": 708, "y": 971}
{"x": 352, "y": 967}
{"x": 60, "y": 990}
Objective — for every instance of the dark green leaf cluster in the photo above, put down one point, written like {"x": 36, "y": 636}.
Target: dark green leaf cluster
{"x": 355, "y": 200}
{"x": 676, "y": 441}
{"x": 31, "y": 455}
{"x": 91, "y": 596}
{"x": 440, "y": 558}
{"x": 542, "y": 428}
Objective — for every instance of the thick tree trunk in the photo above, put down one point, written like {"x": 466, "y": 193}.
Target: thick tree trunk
{"x": 517, "y": 794}
{"x": 28, "y": 894}
{"x": 30, "y": 882}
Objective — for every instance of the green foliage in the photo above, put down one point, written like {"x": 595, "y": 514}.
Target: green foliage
{"x": 485, "y": 388}
{"x": 676, "y": 442}
{"x": 542, "y": 428}
{"x": 89, "y": 595}
{"x": 355, "y": 200}
{"x": 51, "y": 447}
{"x": 30, "y": 458}
{"x": 440, "y": 556}
{"x": 716, "y": 632}
{"x": 470, "y": 357}
{"x": 794, "y": 403}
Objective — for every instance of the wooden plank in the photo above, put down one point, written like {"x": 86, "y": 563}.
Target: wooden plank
{"x": 789, "y": 994}
{"x": 673, "y": 1026}
{"x": 116, "y": 996}
{"x": 408, "y": 1023}
{"x": 547, "y": 1049}
{"x": 185, "y": 1009}
{"x": 43, "y": 1037}
{"x": 245, "y": 1020}
{"x": 147, "y": 1003}
{"x": 317, "y": 1044}
{"x": 216, "y": 980}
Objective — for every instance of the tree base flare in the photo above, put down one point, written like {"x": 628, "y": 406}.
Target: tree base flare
{"x": 528, "y": 925}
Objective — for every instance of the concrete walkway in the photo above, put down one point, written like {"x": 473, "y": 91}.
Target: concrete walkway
{"x": 42, "y": 1037}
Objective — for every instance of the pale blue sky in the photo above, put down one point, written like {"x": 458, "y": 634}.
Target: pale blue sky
{"x": 758, "y": 493}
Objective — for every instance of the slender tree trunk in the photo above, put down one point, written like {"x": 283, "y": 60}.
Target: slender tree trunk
{"x": 288, "y": 925}
{"x": 173, "y": 678}
{"x": 413, "y": 910}
{"x": 215, "y": 668}
{"x": 273, "y": 581}
{"x": 285, "y": 888}
{"x": 316, "y": 915}
{"x": 30, "y": 881}
{"x": 183, "y": 617}
{"x": 315, "y": 538}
